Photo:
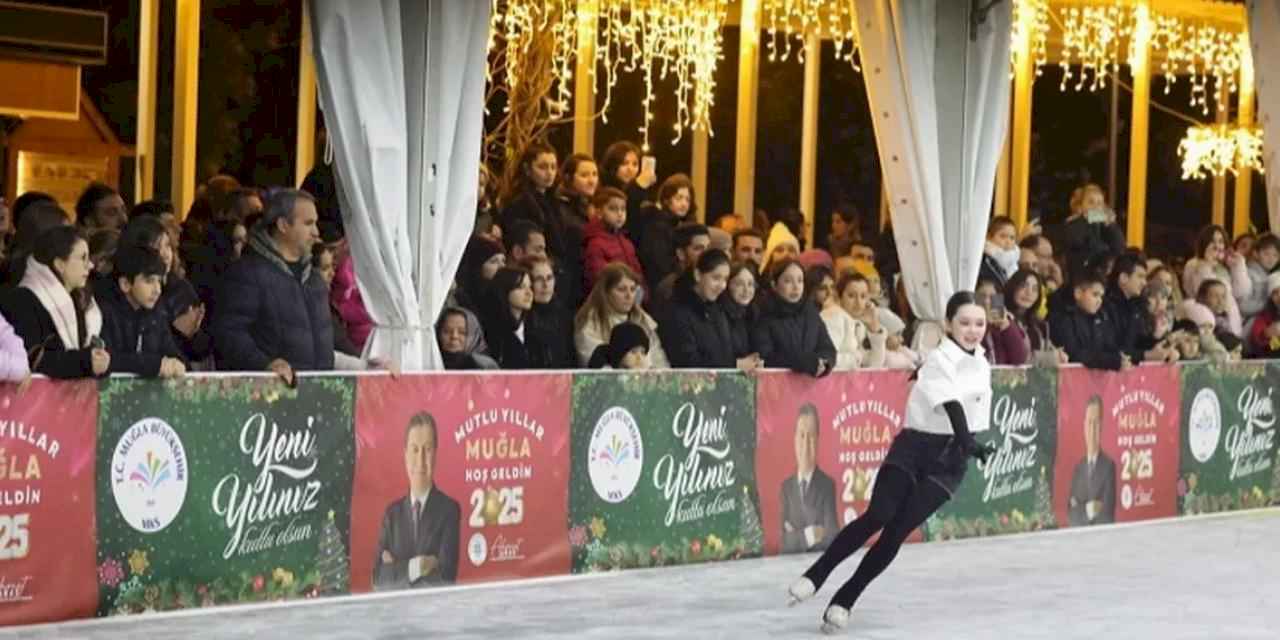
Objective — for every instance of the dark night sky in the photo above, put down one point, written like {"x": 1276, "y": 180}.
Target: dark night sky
{"x": 249, "y": 92}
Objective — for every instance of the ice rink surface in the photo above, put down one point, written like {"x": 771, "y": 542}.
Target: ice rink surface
{"x": 1200, "y": 578}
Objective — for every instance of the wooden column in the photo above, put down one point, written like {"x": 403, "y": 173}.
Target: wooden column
{"x": 584, "y": 79}
{"x": 809, "y": 133}
{"x": 1024, "y": 77}
{"x": 744, "y": 174}
{"x": 1220, "y": 182}
{"x": 186, "y": 96}
{"x": 144, "y": 170}
{"x": 701, "y": 144}
{"x": 306, "y": 145}
{"x": 1242, "y": 218}
{"x": 1136, "y": 233}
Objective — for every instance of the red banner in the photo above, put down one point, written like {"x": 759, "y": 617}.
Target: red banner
{"x": 1118, "y": 439}
{"x": 856, "y": 416}
{"x": 497, "y": 506}
{"x": 47, "y": 440}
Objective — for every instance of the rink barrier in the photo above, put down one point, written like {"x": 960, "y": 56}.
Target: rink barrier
{"x": 126, "y": 496}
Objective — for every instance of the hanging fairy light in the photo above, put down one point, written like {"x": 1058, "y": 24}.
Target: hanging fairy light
{"x": 788, "y": 22}
{"x": 1097, "y": 36}
{"x": 516, "y": 26}
{"x": 1092, "y": 37}
{"x": 1202, "y": 53}
{"x": 656, "y": 39}
{"x": 1030, "y": 34}
{"x": 1216, "y": 150}
{"x": 684, "y": 40}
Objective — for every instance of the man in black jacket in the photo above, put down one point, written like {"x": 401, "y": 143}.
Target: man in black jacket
{"x": 1126, "y": 308}
{"x": 272, "y": 311}
{"x": 1085, "y": 331}
{"x": 690, "y": 240}
{"x": 136, "y": 332}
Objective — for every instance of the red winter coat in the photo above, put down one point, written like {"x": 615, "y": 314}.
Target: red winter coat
{"x": 602, "y": 247}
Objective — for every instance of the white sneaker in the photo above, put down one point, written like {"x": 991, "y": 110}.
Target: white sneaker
{"x": 835, "y": 619}
{"x": 799, "y": 591}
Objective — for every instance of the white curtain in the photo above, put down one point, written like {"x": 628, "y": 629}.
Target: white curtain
{"x": 940, "y": 107}
{"x": 1264, "y": 28}
{"x": 401, "y": 86}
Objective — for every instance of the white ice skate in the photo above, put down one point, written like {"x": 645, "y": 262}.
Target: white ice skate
{"x": 835, "y": 619}
{"x": 799, "y": 591}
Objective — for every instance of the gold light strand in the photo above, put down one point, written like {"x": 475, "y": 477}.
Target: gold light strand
{"x": 657, "y": 39}
{"x": 787, "y": 23}
{"x": 514, "y": 25}
{"x": 1030, "y": 33}
{"x": 1201, "y": 52}
{"x": 1091, "y": 37}
{"x": 1216, "y": 150}
{"x": 1096, "y": 34}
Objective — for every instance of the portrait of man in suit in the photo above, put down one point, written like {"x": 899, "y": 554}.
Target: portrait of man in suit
{"x": 809, "y": 496}
{"x": 1093, "y": 483}
{"x": 418, "y": 542}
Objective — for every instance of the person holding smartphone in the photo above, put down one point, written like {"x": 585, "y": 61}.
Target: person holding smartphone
{"x": 1092, "y": 227}
{"x": 626, "y": 169}
{"x": 1004, "y": 339}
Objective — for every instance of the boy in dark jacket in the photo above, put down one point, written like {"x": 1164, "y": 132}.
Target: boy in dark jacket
{"x": 1085, "y": 331}
{"x": 605, "y": 240}
{"x": 136, "y": 332}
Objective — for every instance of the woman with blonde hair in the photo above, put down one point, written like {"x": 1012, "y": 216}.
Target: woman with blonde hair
{"x": 1091, "y": 229}
{"x": 611, "y": 302}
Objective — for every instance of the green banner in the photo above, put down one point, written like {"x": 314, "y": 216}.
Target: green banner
{"x": 220, "y": 490}
{"x": 1230, "y": 458}
{"x": 663, "y": 470}
{"x": 1013, "y": 492}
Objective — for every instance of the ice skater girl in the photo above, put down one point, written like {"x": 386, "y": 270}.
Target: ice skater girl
{"x": 951, "y": 400}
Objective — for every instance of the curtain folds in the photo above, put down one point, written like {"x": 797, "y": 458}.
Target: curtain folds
{"x": 940, "y": 108}
{"x": 401, "y": 87}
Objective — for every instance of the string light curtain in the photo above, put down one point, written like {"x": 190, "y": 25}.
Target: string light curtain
{"x": 788, "y": 22}
{"x": 1096, "y": 37}
{"x": 681, "y": 40}
{"x": 940, "y": 107}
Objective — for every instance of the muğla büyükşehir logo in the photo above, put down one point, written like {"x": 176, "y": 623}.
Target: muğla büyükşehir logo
{"x": 615, "y": 455}
{"x": 149, "y": 475}
{"x": 1204, "y": 425}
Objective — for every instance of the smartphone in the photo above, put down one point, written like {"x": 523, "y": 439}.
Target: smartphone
{"x": 997, "y": 305}
{"x": 649, "y": 164}
{"x": 1034, "y": 222}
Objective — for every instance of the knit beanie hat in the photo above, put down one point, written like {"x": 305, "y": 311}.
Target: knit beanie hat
{"x": 779, "y": 235}
{"x": 1273, "y": 283}
{"x": 623, "y": 339}
{"x": 867, "y": 269}
{"x": 815, "y": 257}
{"x": 1196, "y": 312}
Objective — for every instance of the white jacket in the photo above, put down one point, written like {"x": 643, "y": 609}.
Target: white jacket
{"x": 847, "y": 334}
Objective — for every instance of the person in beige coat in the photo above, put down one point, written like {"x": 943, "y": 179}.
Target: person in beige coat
{"x": 856, "y": 346}
{"x": 611, "y": 302}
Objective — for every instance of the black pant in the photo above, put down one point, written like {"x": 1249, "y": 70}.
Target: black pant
{"x": 899, "y": 504}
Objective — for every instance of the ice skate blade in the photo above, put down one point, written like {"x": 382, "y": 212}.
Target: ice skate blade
{"x": 835, "y": 620}
{"x": 799, "y": 591}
